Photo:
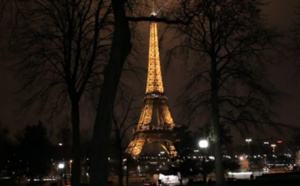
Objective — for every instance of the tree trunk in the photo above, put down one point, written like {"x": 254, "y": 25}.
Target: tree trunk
{"x": 76, "y": 169}
{"x": 120, "y": 165}
{"x": 220, "y": 180}
{"x": 120, "y": 155}
{"x": 120, "y": 49}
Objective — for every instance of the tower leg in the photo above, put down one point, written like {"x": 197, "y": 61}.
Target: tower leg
{"x": 169, "y": 148}
{"x": 135, "y": 147}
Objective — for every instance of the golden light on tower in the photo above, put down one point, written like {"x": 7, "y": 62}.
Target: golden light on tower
{"x": 155, "y": 103}
{"x": 154, "y": 79}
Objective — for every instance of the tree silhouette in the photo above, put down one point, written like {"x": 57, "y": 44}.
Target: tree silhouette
{"x": 189, "y": 167}
{"x": 225, "y": 136}
{"x": 6, "y": 147}
{"x": 187, "y": 140}
{"x": 123, "y": 120}
{"x": 228, "y": 40}
{"x": 64, "y": 46}
{"x": 35, "y": 150}
{"x": 120, "y": 49}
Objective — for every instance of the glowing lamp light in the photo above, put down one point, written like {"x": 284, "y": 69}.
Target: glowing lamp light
{"x": 279, "y": 141}
{"x": 248, "y": 140}
{"x": 203, "y": 143}
{"x": 153, "y": 14}
{"x": 211, "y": 158}
{"x": 61, "y": 165}
{"x": 273, "y": 146}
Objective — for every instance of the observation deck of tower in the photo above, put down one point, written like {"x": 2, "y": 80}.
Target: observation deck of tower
{"x": 155, "y": 102}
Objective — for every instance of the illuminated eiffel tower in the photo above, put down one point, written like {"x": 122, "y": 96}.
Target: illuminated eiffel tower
{"x": 155, "y": 102}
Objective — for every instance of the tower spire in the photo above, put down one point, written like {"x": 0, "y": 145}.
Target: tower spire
{"x": 154, "y": 78}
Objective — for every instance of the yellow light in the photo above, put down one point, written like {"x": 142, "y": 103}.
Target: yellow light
{"x": 154, "y": 103}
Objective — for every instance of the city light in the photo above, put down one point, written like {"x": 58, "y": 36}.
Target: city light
{"x": 240, "y": 173}
{"x": 203, "y": 143}
{"x": 61, "y": 165}
{"x": 273, "y": 146}
{"x": 248, "y": 140}
{"x": 211, "y": 158}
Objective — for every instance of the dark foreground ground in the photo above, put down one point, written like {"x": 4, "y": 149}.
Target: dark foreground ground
{"x": 234, "y": 183}
{"x": 256, "y": 183}
{"x": 289, "y": 179}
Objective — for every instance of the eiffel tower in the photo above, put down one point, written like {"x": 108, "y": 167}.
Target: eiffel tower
{"x": 155, "y": 102}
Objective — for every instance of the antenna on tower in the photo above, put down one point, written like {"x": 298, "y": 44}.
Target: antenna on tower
{"x": 153, "y": 13}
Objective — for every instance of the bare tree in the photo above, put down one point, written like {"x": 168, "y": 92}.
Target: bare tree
{"x": 125, "y": 118}
{"x": 120, "y": 49}
{"x": 5, "y": 145}
{"x": 65, "y": 46}
{"x": 227, "y": 40}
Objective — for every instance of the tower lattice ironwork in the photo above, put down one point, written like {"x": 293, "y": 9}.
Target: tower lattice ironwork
{"x": 155, "y": 103}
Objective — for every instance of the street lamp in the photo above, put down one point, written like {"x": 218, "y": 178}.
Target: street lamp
{"x": 248, "y": 140}
{"x": 62, "y": 169}
{"x": 61, "y": 166}
{"x": 203, "y": 144}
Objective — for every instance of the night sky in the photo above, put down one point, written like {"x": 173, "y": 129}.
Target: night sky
{"x": 279, "y": 14}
